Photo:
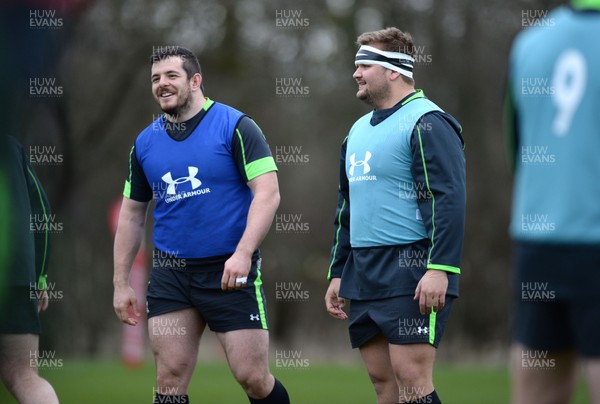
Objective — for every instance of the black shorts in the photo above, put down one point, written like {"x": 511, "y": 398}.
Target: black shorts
{"x": 556, "y": 297}
{"x": 399, "y": 319}
{"x": 171, "y": 289}
{"x": 18, "y": 311}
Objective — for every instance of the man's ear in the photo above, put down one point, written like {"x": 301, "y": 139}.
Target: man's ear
{"x": 394, "y": 75}
{"x": 196, "y": 81}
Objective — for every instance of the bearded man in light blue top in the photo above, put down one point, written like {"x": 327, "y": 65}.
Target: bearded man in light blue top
{"x": 399, "y": 223}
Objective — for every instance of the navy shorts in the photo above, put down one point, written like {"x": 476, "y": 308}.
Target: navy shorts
{"x": 398, "y": 319}
{"x": 19, "y": 312}
{"x": 171, "y": 289}
{"x": 555, "y": 295}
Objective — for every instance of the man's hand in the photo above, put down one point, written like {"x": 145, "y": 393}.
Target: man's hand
{"x": 43, "y": 301}
{"x": 123, "y": 299}
{"x": 431, "y": 291}
{"x": 333, "y": 301}
{"x": 236, "y": 270}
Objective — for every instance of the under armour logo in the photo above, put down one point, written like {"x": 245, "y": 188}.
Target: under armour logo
{"x": 172, "y": 182}
{"x": 421, "y": 330}
{"x": 254, "y": 317}
{"x": 364, "y": 163}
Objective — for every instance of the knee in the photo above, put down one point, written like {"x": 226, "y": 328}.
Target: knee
{"x": 412, "y": 377}
{"x": 19, "y": 380}
{"x": 383, "y": 383}
{"x": 170, "y": 372}
{"x": 248, "y": 379}
{"x": 254, "y": 383}
{"x": 10, "y": 381}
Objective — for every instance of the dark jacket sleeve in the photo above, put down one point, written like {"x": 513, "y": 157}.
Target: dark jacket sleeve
{"x": 341, "y": 238}
{"x": 40, "y": 207}
{"x": 439, "y": 166}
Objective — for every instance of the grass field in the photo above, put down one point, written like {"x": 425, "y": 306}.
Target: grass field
{"x": 83, "y": 382}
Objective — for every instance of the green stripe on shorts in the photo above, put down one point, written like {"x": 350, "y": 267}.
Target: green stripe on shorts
{"x": 259, "y": 299}
{"x": 432, "y": 318}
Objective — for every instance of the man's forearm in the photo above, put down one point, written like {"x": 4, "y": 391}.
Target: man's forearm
{"x": 127, "y": 243}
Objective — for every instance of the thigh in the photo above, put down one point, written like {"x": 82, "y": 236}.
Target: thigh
{"x": 15, "y": 354}
{"x": 376, "y": 356}
{"x": 592, "y": 373}
{"x": 175, "y": 337}
{"x": 246, "y": 350}
{"x": 543, "y": 377}
{"x": 412, "y": 361}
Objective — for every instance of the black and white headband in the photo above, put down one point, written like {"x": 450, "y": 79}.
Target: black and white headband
{"x": 396, "y": 61}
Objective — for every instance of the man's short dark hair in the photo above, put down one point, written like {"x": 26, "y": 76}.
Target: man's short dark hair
{"x": 190, "y": 64}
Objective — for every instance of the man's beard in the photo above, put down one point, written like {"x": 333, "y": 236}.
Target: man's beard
{"x": 375, "y": 96}
{"x": 181, "y": 108}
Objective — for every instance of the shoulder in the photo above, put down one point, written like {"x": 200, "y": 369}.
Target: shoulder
{"x": 442, "y": 118}
{"x": 536, "y": 34}
{"x": 440, "y": 124}
{"x": 225, "y": 109}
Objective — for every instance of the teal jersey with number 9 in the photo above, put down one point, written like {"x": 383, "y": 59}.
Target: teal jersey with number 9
{"x": 554, "y": 114}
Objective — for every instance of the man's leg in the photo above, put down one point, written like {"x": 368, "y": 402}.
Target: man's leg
{"x": 376, "y": 356}
{"x": 175, "y": 338}
{"x": 413, "y": 369}
{"x": 16, "y": 372}
{"x": 592, "y": 374}
{"x": 534, "y": 382}
{"x": 248, "y": 357}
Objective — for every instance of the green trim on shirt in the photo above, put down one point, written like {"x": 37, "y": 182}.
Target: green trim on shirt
{"x": 260, "y": 167}
{"x": 256, "y": 167}
{"x": 447, "y": 268}
{"x": 207, "y": 104}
